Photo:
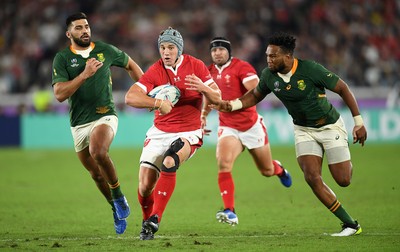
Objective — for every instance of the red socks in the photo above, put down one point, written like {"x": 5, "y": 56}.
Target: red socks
{"x": 227, "y": 189}
{"x": 163, "y": 192}
{"x": 147, "y": 205}
{"x": 277, "y": 168}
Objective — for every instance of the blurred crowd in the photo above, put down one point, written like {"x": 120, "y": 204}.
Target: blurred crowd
{"x": 359, "y": 40}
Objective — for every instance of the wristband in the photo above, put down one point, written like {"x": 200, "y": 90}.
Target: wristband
{"x": 358, "y": 121}
{"x": 236, "y": 104}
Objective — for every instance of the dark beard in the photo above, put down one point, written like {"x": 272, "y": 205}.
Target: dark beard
{"x": 278, "y": 69}
{"x": 81, "y": 43}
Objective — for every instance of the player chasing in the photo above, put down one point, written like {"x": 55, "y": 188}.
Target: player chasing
{"x": 240, "y": 129}
{"x": 176, "y": 133}
{"x": 81, "y": 74}
{"x": 318, "y": 127}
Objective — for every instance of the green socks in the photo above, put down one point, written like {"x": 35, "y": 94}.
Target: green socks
{"x": 337, "y": 209}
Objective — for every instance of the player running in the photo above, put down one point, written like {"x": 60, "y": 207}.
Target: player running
{"x": 82, "y": 74}
{"x": 176, "y": 133}
{"x": 318, "y": 127}
{"x": 240, "y": 129}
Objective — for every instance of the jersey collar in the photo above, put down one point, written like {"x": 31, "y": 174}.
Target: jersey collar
{"x": 286, "y": 77}
{"x": 294, "y": 67}
{"x": 80, "y": 52}
{"x": 220, "y": 69}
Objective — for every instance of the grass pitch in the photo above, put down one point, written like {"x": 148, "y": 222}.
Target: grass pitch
{"x": 48, "y": 202}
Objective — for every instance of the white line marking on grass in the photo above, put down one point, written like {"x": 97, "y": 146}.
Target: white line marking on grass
{"x": 180, "y": 237}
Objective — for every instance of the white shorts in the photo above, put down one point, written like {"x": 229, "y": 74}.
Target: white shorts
{"x": 157, "y": 142}
{"x": 81, "y": 133}
{"x": 252, "y": 138}
{"x": 332, "y": 139}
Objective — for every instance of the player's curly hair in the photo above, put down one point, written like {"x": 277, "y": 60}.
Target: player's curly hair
{"x": 285, "y": 41}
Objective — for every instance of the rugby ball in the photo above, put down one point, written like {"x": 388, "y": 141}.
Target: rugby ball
{"x": 166, "y": 92}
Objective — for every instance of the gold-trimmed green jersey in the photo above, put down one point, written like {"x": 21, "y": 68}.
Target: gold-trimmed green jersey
{"x": 93, "y": 99}
{"x": 304, "y": 93}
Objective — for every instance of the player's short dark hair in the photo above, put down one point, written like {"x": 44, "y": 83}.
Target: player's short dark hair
{"x": 285, "y": 41}
{"x": 74, "y": 17}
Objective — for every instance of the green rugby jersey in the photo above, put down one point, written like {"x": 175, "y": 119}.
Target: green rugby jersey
{"x": 93, "y": 99}
{"x": 304, "y": 95}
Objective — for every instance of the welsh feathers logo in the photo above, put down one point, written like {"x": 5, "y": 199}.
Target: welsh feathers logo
{"x": 100, "y": 57}
{"x": 227, "y": 78}
{"x": 301, "y": 85}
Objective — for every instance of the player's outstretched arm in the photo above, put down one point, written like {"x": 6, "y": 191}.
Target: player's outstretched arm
{"x": 251, "y": 98}
{"x": 359, "y": 130}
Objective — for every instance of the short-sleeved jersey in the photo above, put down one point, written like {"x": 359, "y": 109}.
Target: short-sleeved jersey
{"x": 230, "y": 78}
{"x": 185, "y": 115}
{"x": 93, "y": 99}
{"x": 304, "y": 95}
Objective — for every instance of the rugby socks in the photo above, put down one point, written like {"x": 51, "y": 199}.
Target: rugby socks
{"x": 115, "y": 190}
{"x": 112, "y": 205}
{"x": 227, "y": 189}
{"x": 163, "y": 192}
{"x": 277, "y": 169}
{"x": 147, "y": 204}
{"x": 337, "y": 209}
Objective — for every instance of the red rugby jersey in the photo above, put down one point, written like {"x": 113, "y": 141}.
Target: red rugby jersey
{"x": 185, "y": 115}
{"x": 230, "y": 78}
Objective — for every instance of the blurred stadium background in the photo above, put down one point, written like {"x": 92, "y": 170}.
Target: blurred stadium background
{"x": 359, "y": 40}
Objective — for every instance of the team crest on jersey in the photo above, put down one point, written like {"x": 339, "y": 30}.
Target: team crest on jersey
{"x": 176, "y": 79}
{"x": 301, "y": 85}
{"x": 288, "y": 87}
{"x": 227, "y": 78}
{"x": 102, "y": 110}
{"x": 74, "y": 62}
{"x": 100, "y": 57}
{"x": 276, "y": 85}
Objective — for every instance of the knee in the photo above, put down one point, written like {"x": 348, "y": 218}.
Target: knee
{"x": 146, "y": 188}
{"x": 342, "y": 173}
{"x": 168, "y": 162}
{"x": 171, "y": 159}
{"x": 224, "y": 164}
{"x": 99, "y": 154}
{"x": 268, "y": 171}
{"x": 312, "y": 179}
{"x": 344, "y": 182}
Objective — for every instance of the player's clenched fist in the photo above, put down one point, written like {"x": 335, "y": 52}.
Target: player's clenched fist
{"x": 92, "y": 65}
